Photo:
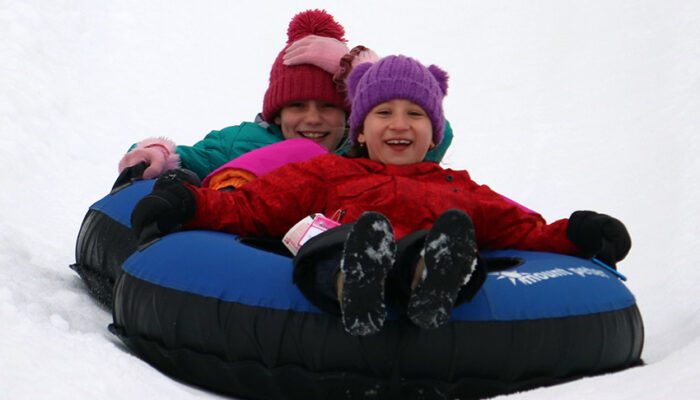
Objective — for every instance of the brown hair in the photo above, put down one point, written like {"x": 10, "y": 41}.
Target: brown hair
{"x": 357, "y": 151}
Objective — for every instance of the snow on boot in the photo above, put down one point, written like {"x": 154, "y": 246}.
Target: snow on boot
{"x": 368, "y": 254}
{"x": 450, "y": 257}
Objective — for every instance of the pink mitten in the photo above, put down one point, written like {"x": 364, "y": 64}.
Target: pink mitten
{"x": 158, "y": 153}
{"x": 323, "y": 52}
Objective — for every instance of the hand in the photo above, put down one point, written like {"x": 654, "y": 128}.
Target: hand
{"x": 162, "y": 211}
{"x": 175, "y": 177}
{"x": 154, "y": 158}
{"x": 600, "y": 236}
{"x": 157, "y": 153}
{"x": 321, "y": 51}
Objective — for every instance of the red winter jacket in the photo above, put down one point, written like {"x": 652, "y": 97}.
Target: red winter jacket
{"x": 411, "y": 196}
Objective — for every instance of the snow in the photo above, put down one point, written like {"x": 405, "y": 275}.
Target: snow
{"x": 386, "y": 248}
{"x": 561, "y": 105}
{"x": 440, "y": 243}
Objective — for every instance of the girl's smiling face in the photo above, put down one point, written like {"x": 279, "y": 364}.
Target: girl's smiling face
{"x": 322, "y": 122}
{"x": 397, "y": 132}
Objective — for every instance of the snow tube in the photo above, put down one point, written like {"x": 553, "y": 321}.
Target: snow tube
{"x": 105, "y": 240}
{"x": 211, "y": 309}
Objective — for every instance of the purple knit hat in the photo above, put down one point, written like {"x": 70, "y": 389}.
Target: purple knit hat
{"x": 397, "y": 77}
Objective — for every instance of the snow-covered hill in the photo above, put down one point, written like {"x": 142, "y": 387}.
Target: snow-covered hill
{"x": 561, "y": 105}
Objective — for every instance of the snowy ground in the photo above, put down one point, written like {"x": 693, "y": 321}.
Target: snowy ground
{"x": 561, "y": 105}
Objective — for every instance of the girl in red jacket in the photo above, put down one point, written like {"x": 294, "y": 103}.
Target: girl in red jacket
{"x": 411, "y": 228}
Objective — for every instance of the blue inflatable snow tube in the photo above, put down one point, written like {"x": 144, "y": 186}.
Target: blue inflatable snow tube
{"x": 207, "y": 308}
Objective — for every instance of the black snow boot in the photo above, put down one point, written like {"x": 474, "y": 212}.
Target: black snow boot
{"x": 450, "y": 257}
{"x": 368, "y": 255}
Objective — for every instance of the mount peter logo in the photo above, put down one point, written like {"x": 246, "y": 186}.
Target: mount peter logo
{"x": 528, "y": 278}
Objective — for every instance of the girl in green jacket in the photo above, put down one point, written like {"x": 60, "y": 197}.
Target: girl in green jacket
{"x": 301, "y": 100}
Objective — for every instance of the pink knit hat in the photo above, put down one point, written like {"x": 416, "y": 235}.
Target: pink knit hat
{"x": 305, "y": 81}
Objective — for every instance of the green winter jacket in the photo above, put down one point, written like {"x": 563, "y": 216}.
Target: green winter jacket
{"x": 220, "y": 147}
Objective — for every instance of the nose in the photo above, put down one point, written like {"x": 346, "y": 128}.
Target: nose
{"x": 313, "y": 114}
{"x": 399, "y": 122}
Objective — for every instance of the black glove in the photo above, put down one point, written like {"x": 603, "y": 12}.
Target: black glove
{"x": 162, "y": 211}
{"x": 128, "y": 175}
{"x": 599, "y": 235}
{"x": 176, "y": 176}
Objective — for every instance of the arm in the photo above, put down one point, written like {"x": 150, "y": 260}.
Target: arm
{"x": 506, "y": 224}
{"x": 207, "y": 154}
{"x": 502, "y": 224}
{"x": 219, "y": 147}
{"x": 267, "y": 206}
{"x": 329, "y": 54}
{"x": 259, "y": 162}
{"x": 151, "y": 157}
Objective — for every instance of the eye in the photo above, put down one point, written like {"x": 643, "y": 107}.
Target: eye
{"x": 382, "y": 111}
{"x": 414, "y": 110}
{"x": 328, "y": 105}
{"x": 416, "y": 113}
{"x": 296, "y": 104}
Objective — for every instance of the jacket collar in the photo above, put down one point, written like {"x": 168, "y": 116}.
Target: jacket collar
{"x": 420, "y": 168}
{"x": 272, "y": 128}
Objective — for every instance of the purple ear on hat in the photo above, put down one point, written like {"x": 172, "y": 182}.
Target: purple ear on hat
{"x": 354, "y": 78}
{"x": 441, "y": 77}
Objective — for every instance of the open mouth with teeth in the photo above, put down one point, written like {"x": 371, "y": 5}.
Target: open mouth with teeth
{"x": 398, "y": 144}
{"x": 313, "y": 135}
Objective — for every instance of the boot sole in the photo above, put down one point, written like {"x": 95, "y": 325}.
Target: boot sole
{"x": 450, "y": 259}
{"x": 368, "y": 254}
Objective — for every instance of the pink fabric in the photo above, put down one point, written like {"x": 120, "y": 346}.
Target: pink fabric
{"x": 158, "y": 153}
{"x": 323, "y": 52}
{"x": 265, "y": 159}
